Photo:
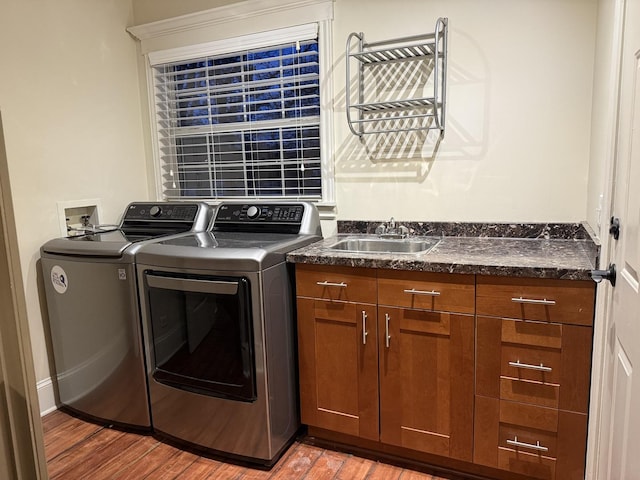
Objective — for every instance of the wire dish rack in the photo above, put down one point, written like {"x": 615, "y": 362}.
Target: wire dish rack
{"x": 400, "y": 84}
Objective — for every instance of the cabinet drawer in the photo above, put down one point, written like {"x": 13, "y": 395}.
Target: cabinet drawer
{"x": 539, "y": 442}
{"x": 539, "y": 363}
{"x": 552, "y": 447}
{"x": 561, "y": 301}
{"x": 535, "y": 365}
{"x": 526, "y": 463}
{"x": 530, "y": 362}
{"x": 336, "y": 283}
{"x": 427, "y": 291}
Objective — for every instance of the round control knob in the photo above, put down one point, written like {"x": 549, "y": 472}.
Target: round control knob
{"x": 253, "y": 212}
{"x": 155, "y": 211}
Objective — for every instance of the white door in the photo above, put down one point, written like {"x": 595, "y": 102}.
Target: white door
{"x": 620, "y": 434}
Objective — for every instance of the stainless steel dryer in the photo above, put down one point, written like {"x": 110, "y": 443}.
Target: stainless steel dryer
{"x": 218, "y": 316}
{"x": 94, "y": 319}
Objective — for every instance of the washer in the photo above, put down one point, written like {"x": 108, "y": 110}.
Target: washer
{"x": 94, "y": 320}
{"x": 218, "y": 317}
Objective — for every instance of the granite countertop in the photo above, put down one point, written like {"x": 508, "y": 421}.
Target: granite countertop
{"x": 561, "y": 251}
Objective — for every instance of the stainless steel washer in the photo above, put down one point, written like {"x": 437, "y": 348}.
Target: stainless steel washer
{"x": 218, "y": 318}
{"x": 94, "y": 319}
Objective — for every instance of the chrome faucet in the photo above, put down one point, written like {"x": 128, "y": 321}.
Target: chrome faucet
{"x": 390, "y": 230}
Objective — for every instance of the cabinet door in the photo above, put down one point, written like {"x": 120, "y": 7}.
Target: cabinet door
{"x": 338, "y": 354}
{"x": 426, "y": 381}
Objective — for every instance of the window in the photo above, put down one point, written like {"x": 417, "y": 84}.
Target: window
{"x": 241, "y": 124}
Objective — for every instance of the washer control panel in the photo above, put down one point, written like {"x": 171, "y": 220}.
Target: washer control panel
{"x": 175, "y": 212}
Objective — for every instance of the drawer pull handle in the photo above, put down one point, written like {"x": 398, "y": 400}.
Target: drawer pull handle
{"x": 364, "y": 327}
{"x": 537, "y": 446}
{"x": 528, "y": 366}
{"x": 332, "y": 284}
{"x": 533, "y": 301}
{"x": 387, "y": 337}
{"x": 413, "y": 291}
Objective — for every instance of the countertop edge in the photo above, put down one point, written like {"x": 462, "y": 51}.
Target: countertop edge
{"x": 439, "y": 267}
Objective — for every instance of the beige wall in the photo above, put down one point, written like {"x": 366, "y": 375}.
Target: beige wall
{"x": 519, "y": 107}
{"x": 147, "y": 11}
{"x": 518, "y": 121}
{"x": 71, "y": 109}
{"x": 603, "y": 117}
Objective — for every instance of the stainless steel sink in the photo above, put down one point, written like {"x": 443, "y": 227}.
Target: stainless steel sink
{"x": 380, "y": 245}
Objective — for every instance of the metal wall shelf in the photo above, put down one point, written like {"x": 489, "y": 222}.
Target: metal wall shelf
{"x": 392, "y": 78}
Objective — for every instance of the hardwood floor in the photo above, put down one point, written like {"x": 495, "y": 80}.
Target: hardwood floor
{"x": 80, "y": 450}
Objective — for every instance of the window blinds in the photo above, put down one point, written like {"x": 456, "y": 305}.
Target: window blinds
{"x": 244, "y": 124}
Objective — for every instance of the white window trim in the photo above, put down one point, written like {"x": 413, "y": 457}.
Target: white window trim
{"x": 241, "y": 17}
{"x": 194, "y": 35}
{"x": 235, "y": 44}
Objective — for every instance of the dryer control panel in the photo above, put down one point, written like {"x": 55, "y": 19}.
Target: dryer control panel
{"x": 275, "y": 213}
{"x": 277, "y": 217}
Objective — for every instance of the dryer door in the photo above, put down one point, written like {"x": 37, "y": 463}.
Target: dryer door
{"x": 201, "y": 333}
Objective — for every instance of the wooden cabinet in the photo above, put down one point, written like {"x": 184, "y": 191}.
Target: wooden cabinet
{"x": 412, "y": 362}
{"x": 426, "y": 381}
{"x": 426, "y": 357}
{"x": 490, "y": 371}
{"x": 533, "y": 363}
{"x": 337, "y": 349}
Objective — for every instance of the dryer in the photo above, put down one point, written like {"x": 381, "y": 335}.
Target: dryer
{"x": 219, "y": 320}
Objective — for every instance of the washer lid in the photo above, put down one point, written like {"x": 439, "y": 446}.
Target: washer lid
{"x": 142, "y": 221}
{"x": 104, "y": 244}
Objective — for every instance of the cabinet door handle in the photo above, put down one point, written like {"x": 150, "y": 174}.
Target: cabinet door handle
{"x": 537, "y": 446}
{"x": 332, "y": 284}
{"x": 528, "y": 366}
{"x": 413, "y": 291}
{"x": 364, "y": 327}
{"x": 534, "y": 301}
{"x": 387, "y": 337}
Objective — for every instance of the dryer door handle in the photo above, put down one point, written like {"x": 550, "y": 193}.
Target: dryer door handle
{"x": 190, "y": 285}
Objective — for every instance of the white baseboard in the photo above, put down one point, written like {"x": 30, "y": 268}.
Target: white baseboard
{"x": 46, "y": 397}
